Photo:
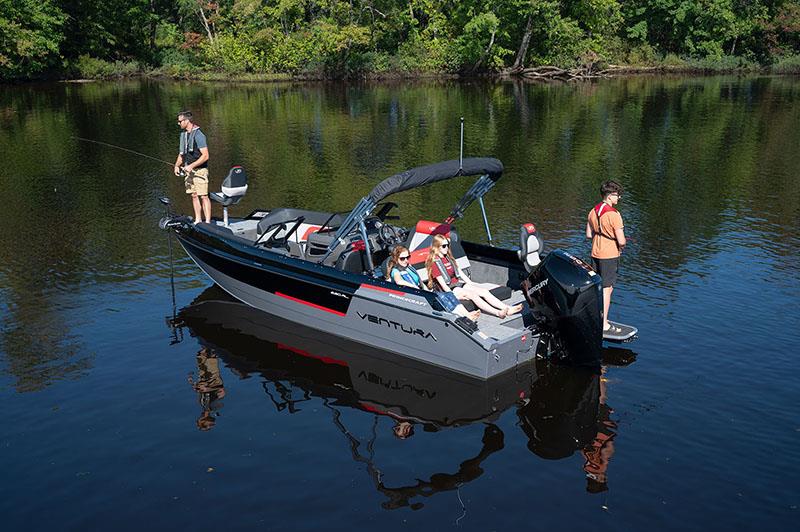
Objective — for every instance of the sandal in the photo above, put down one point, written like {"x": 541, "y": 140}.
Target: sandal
{"x": 613, "y": 330}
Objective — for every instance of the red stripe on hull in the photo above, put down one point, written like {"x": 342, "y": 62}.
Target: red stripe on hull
{"x": 310, "y": 304}
{"x": 327, "y": 360}
{"x": 382, "y": 289}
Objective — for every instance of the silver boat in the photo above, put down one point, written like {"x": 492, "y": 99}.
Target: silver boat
{"x": 324, "y": 270}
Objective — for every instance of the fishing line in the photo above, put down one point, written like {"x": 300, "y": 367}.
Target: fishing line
{"x": 134, "y": 152}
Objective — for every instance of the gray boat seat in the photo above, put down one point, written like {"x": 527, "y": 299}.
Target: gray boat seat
{"x": 500, "y": 292}
{"x": 312, "y": 222}
{"x": 234, "y": 187}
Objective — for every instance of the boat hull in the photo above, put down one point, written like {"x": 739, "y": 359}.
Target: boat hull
{"x": 354, "y": 307}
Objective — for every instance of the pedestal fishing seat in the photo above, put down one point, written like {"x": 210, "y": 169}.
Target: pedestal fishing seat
{"x": 234, "y": 187}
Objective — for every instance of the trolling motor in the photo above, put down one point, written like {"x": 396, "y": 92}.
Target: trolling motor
{"x": 567, "y": 297}
{"x": 170, "y": 220}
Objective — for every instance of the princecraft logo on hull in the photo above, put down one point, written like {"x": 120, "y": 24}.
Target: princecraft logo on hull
{"x": 377, "y": 320}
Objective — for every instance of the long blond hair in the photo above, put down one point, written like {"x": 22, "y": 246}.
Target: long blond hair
{"x": 393, "y": 260}
{"x": 433, "y": 255}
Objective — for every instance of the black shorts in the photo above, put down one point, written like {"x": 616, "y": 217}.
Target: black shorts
{"x": 607, "y": 268}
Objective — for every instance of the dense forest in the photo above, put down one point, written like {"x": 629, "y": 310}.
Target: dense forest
{"x": 357, "y": 38}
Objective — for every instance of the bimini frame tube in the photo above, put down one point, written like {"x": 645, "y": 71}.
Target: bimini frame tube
{"x": 367, "y": 251}
{"x": 356, "y": 216}
{"x": 485, "y": 221}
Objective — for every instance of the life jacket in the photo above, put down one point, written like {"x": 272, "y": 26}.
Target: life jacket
{"x": 190, "y": 151}
{"x": 452, "y": 280}
{"x": 599, "y": 210}
{"x": 408, "y": 274}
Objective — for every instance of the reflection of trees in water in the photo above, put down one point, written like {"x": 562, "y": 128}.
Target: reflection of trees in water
{"x": 699, "y": 157}
{"x": 75, "y": 221}
{"x": 38, "y": 349}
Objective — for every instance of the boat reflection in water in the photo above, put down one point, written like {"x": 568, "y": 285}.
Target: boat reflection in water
{"x": 562, "y": 410}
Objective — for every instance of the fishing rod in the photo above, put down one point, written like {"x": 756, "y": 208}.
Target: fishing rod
{"x": 134, "y": 152}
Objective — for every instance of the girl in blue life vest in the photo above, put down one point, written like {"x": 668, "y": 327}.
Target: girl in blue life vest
{"x": 400, "y": 271}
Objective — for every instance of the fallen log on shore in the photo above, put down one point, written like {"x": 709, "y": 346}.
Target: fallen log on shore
{"x": 548, "y": 72}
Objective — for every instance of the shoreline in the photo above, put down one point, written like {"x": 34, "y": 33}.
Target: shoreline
{"x": 534, "y": 74}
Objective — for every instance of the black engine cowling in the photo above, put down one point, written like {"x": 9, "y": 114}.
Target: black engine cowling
{"x": 567, "y": 295}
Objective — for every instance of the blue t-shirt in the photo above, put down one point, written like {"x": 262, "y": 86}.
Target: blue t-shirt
{"x": 409, "y": 274}
{"x": 195, "y": 135}
{"x": 191, "y": 143}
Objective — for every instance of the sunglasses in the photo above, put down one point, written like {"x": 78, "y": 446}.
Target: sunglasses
{"x": 445, "y": 246}
{"x": 405, "y": 257}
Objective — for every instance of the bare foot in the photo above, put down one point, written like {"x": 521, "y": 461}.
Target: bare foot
{"x": 503, "y": 313}
{"x": 516, "y": 309}
{"x": 474, "y": 315}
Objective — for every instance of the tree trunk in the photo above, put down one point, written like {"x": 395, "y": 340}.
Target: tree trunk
{"x": 205, "y": 24}
{"x": 485, "y": 53}
{"x": 519, "y": 61}
{"x": 153, "y": 25}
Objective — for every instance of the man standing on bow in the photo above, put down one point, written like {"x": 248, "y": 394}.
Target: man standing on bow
{"x": 192, "y": 161}
{"x": 604, "y": 227}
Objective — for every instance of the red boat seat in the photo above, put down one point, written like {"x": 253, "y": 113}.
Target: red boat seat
{"x": 419, "y": 245}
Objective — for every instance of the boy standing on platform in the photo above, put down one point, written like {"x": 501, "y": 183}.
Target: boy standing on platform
{"x": 605, "y": 228}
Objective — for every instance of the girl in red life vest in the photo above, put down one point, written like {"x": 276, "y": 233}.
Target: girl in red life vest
{"x": 444, "y": 275}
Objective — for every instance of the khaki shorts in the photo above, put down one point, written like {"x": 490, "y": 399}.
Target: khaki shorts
{"x": 197, "y": 182}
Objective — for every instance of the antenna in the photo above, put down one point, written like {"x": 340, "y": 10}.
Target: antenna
{"x": 461, "y": 150}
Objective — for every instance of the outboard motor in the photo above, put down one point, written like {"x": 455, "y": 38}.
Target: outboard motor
{"x": 567, "y": 295}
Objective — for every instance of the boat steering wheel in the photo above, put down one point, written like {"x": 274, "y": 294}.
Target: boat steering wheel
{"x": 388, "y": 235}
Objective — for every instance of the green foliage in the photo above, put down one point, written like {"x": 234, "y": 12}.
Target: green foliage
{"x": 722, "y": 63}
{"x": 787, "y": 65}
{"x": 178, "y": 63}
{"x": 476, "y": 48}
{"x": 673, "y": 61}
{"x": 30, "y": 35}
{"x": 231, "y": 54}
{"x": 422, "y": 55}
{"x": 643, "y": 54}
{"x": 354, "y": 38}
{"x": 92, "y": 68}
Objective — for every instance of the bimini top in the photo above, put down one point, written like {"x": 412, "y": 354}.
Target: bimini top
{"x": 487, "y": 168}
{"x": 425, "y": 175}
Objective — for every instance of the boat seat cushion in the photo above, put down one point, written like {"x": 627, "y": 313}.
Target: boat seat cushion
{"x": 419, "y": 244}
{"x": 309, "y": 217}
{"x": 234, "y": 187}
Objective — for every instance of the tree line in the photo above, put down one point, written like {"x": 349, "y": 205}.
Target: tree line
{"x": 356, "y": 38}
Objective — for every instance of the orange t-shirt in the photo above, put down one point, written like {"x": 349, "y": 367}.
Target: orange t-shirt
{"x": 604, "y": 242}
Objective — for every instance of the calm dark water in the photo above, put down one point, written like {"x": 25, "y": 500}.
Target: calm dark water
{"x": 125, "y": 408}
